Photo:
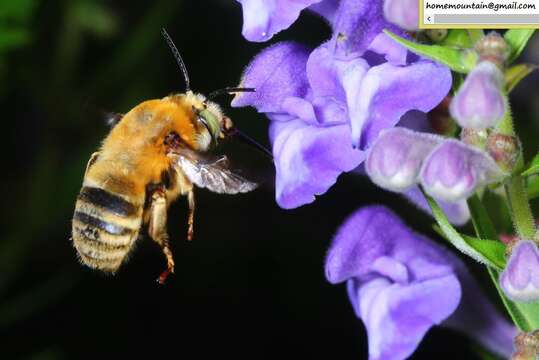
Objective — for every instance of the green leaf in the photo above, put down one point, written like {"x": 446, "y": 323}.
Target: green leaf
{"x": 533, "y": 168}
{"x": 459, "y": 60}
{"x": 532, "y": 187}
{"x": 459, "y": 38}
{"x": 494, "y": 250}
{"x": 517, "y": 40}
{"x": 462, "y": 38}
{"x": 483, "y": 226}
{"x": 476, "y": 34}
{"x": 453, "y": 236}
{"x": 516, "y": 73}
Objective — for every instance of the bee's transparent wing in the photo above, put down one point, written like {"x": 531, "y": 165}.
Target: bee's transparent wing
{"x": 213, "y": 175}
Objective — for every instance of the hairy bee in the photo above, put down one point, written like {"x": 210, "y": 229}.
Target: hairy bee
{"x": 151, "y": 156}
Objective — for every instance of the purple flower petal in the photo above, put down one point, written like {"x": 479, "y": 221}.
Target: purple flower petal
{"x": 276, "y": 73}
{"x": 457, "y": 212}
{"x": 453, "y": 171}
{"x": 392, "y": 269}
{"x": 333, "y": 81}
{"x": 387, "y": 92}
{"x": 356, "y": 24}
{"x": 384, "y": 45}
{"x": 308, "y": 159}
{"x": 327, "y": 9}
{"x": 397, "y": 316}
{"x": 373, "y": 232}
{"x": 403, "y": 13}
{"x": 264, "y": 18}
{"x": 395, "y": 159}
{"x": 520, "y": 279}
{"x": 299, "y": 108}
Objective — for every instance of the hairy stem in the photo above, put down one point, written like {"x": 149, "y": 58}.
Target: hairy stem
{"x": 520, "y": 208}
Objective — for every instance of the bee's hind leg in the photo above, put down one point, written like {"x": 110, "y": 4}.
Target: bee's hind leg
{"x": 158, "y": 229}
{"x": 191, "y": 217}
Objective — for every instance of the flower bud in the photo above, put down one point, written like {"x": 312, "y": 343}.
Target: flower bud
{"x": 453, "y": 171}
{"x": 520, "y": 278}
{"x": 403, "y": 13}
{"x": 504, "y": 149}
{"x": 395, "y": 159}
{"x": 480, "y": 103}
{"x": 436, "y": 35}
{"x": 526, "y": 346}
{"x": 493, "y": 48}
{"x": 475, "y": 138}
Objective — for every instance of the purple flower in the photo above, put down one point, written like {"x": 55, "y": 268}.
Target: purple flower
{"x": 479, "y": 103}
{"x": 453, "y": 171}
{"x": 520, "y": 279}
{"x": 264, "y": 18}
{"x": 322, "y": 105}
{"x": 403, "y": 13}
{"x": 401, "y": 284}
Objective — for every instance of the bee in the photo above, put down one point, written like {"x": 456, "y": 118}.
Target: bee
{"x": 152, "y": 155}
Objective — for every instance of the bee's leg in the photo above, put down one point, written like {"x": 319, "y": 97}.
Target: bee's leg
{"x": 191, "y": 218}
{"x": 157, "y": 229}
{"x": 92, "y": 160}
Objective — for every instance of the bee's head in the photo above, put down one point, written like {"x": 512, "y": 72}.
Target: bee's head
{"x": 211, "y": 123}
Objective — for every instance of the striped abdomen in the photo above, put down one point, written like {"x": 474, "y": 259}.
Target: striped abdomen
{"x": 105, "y": 226}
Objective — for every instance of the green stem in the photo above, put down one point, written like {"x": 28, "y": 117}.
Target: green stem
{"x": 520, "y": 207}
{"x": 515, "y": 186}
{"x": 506, "y": 124}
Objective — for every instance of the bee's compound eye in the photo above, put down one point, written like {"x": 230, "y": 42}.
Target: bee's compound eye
{"x": 203, "y": 121}
{"x": 211, "y": 123}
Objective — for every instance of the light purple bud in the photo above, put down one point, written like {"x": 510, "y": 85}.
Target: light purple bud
{"x": 480, "y": 103}
{"x": 403, "y": 13}
{"x": 453, "y": 171}
{"x": 520, "y": 279}
{"x": 395, "y": 159}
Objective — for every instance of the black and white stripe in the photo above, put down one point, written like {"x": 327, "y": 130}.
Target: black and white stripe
{"x": 105, "y": 225}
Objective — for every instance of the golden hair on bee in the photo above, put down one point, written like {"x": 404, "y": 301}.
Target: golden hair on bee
{"x": 151, "y": 156}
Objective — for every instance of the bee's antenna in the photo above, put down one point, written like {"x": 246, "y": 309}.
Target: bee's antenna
{"x": 248, "y": 140}
{"x": 229, "y": 90}
{"x": 178, "y": 58}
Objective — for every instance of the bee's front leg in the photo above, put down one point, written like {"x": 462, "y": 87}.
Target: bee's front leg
{"x": 158, "y": 229}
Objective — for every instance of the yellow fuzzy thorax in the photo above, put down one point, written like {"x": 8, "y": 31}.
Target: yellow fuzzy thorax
{"x": 134, "y": 154}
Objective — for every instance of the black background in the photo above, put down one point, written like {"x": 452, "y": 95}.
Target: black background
{"x": 251, "y": 284}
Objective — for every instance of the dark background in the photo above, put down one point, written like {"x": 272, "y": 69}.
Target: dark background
{"x": 251, "y": 284}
